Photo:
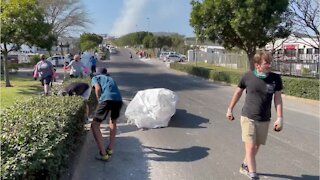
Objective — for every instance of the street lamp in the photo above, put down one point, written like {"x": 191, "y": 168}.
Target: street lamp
{"x": 64, "y": 59}
{"x": 148, "y": 22}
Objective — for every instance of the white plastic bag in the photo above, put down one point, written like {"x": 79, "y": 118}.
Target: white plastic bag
{"x": 152, "y": 108}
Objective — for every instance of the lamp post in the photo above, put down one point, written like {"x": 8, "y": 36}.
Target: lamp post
{"x": 148, "y": 22}
{"x": 64, "y": 59}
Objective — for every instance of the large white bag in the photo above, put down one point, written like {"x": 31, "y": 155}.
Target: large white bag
{"x": 152, "y": 108}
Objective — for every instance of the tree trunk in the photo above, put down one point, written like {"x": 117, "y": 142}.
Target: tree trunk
{"x": 250, "y": 58}
{"x": 6, "y": 69}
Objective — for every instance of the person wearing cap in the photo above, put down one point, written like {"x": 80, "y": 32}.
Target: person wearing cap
{"x": 78, "y": 89}
{"x": 109, "y": 99}
{"x": 45, "y": 71}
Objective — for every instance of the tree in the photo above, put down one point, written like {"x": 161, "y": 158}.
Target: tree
{"x": 282, "y": 31}
{"x": 65, "y": 16}
{"x": 22, "y": 22}
{"x": 246, "y": 24}
{"x": 306, "y": 20}
{"x": 89, "y": 41}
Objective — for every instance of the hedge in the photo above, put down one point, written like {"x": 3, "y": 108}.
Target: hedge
{"x": 293, "y": 86}
{"x": 39, "y": 135}
{"x": 92, "y": 99}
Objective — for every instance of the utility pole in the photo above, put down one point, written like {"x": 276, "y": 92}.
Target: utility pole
{"x": 148, "y": 23}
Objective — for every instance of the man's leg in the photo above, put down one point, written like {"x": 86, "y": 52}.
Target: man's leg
{"x": 113, "y": 131}
{"x": 245, "y": 160}
{"x": 95, "y": 127}
{"x": 250, "y": 158}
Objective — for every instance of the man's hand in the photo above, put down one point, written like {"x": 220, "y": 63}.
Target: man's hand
{"x": 278, "y": 125}
{"x": 229, "y": 114}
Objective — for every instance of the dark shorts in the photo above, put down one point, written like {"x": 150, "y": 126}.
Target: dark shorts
{"x": 46, "y": 80}
{"x": 104, "y": 108}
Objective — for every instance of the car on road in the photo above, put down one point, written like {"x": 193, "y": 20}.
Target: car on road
{"x": 58, "y": 60}
{"x": 173, "y": 58}
{"x": 113, "y": 50}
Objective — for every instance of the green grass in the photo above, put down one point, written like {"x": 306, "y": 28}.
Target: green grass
{"x": 22, "y": 89}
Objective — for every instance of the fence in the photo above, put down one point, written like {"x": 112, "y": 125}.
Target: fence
{"x": 306, "y": 68}
{"x": 231, "y": 60}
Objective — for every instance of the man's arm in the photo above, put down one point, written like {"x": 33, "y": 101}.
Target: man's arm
{"x": 97, "y": 90}
{"x": 236, "y": 96}
{"x": 278, "y": 125}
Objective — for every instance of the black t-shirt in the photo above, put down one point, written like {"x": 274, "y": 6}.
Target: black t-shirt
{"x": 259, "y": 93}
{"x": 76, "y": 88}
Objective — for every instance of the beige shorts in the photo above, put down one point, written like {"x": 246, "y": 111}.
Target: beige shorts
{"x": 254, "y": 132}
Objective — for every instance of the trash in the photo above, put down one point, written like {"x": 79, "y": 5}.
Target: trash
{"x": 152, "y": 108}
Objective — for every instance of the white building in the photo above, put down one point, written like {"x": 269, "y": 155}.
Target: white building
{"x": 293, "y": 48}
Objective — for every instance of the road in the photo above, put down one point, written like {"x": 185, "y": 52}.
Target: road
{"x": 199, "y": 143}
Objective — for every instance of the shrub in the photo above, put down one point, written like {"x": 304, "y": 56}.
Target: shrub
{"x": 92, "y": 103}
{"x": 37, "y": 136}
{"x": 35, "y": 59}
{"x": 301, "y": 87}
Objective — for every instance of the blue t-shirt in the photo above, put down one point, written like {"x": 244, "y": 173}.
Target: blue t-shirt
{"x": 109, "y": 88}
{"x": 93, "y": 61}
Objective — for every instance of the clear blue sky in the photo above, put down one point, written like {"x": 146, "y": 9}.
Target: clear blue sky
{"x": 119, "y": 17}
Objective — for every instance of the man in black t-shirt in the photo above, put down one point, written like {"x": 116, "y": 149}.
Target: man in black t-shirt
{"x": 260, "y": 85}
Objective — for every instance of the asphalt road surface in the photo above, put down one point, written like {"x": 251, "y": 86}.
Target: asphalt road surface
{"x": 199, "y": 143}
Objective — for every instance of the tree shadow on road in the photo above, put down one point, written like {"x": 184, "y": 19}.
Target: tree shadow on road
{"x": 183, "y": 119}
{"x": 303, "y": 176}
{"x": 177, "y": 155}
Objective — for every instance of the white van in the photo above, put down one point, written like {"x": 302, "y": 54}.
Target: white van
{"x": 58, "y": 60}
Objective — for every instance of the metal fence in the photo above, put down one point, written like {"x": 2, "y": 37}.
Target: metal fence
{"x": 292, "y": 68}
{"x": 306, "y": 68}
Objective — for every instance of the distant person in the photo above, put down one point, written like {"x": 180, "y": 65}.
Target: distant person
{"x": 78, "y": 89}
{"x": 77, "y": 68}
{"x": 260, "y": 85}
{"x": 93, "y": 61}
{"x": 130, "y": 55}
{"x": 109, "y": 98}
{"x": 45, "y": 71}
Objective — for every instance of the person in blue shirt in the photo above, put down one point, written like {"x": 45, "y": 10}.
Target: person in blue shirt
{"x": 109, "y": 99}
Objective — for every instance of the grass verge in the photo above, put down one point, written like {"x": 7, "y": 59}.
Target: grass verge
{"x": 23, "y": 88}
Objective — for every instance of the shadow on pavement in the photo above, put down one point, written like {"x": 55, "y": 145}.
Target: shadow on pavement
{"x": 183, "y": 119}
{"x": 177, "y": 155}
{"x": 126, "y": 163}
{"x": 303, "y": 176}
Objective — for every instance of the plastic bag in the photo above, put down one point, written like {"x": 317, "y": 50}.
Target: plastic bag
{"x": 152, "y": 108}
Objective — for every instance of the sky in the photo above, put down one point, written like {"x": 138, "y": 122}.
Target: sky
{"x": 120, "y": 17}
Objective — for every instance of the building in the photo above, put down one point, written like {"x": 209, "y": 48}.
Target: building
{"x": 297, "y": 48}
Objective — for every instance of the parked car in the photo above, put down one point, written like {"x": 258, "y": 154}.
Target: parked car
{"x": 163, "y": 55}
{"x": 58, "y": 60}
{"x": 173, "y": 58}
{"x": 113, "y": 50}
{"x": 183, "y": 57}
